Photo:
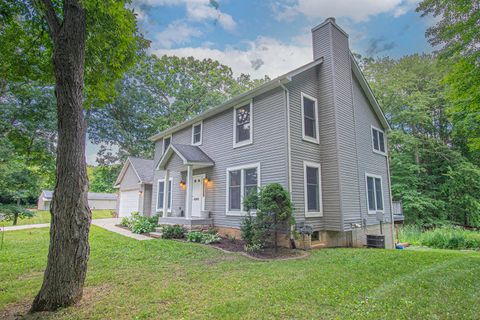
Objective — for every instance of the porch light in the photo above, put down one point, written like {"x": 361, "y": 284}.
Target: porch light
{"x": 206, "y": 180}
{"x": 183, "y": 185}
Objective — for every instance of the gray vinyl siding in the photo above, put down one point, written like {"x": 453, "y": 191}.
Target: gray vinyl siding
{"x": 130, "y": 180}
{"x": 369, "y": 161}
{"x": 268, "y": 149}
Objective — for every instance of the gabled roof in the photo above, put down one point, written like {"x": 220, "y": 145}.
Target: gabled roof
{"x": 267, "y": 86}
{"x": 190, "y": 155}
{"x": 143, "y": 169}
{"x": 48, "y": 195}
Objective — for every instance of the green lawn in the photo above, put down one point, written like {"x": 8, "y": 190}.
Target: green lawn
{"x": 42, "y": 216}
{"x": 131, "y": 279}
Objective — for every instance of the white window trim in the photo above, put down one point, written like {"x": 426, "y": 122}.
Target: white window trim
{"x": 384, "y": 141}
{"x": 366, "y": 193}
{"x": 304, "y": 137}
{"x": 201, "y": 133}
{"x": 163, "y": 142}
{"x": 249, "y": 141}
{"x": 240, "y": 212}
{"x": 171, "y": 195}
{"x": 312, "y": 165}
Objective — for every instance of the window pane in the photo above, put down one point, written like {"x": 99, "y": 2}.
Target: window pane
{"x": 310, "y": 130}
{"x": 160, "y": 194}
{"x": 312, "y": 197}
{"x": 375, "y": 139}
{"x": 242, "y": 124}
{"x": 169, "y": 195}
{"x": 308, "y": 108}
{"x": 197, "y": 129}
{"x": 251, "y": 176}
{"x": 312, "y": 189}
{"x": 166, "y": 143}
{"x": 370, "y": 193}
{"x": 235, "y": 178}
{"x": 382, "y": 141}
{"x": 234, "y": 201}
{"x": 378, "y": 191}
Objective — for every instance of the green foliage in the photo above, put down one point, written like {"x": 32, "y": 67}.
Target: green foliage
{"x": 202, "y": 237}
{"x": 273, "y": 215}
{"x": 11, "y": 212}
{"x": 157, "y": 93}
{"x": 103, "y": 178}
{"x": 173, "y": 232}
{"x": 426, "y": 143}
{"x": 447, "y": 237}
{"x": 140, "y": 224}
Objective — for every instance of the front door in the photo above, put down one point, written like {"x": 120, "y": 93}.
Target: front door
{"x": 197, "y": 195}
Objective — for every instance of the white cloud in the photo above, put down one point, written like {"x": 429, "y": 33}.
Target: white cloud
{"x": 197, "y": 10}
{"x": 264, "y": 56}
{"x": 357, "y": 10}
{"x": 177, "y": 32}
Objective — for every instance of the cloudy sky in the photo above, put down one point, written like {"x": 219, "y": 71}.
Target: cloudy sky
{"x": 271, "y": 37}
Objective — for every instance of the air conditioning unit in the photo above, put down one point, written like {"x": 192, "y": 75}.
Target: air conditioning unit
{"x": 375, "y": 241}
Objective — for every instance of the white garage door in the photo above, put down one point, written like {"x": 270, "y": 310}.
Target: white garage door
{"x": 128, "y": 203}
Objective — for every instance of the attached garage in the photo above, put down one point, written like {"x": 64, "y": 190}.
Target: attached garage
{"x": 129, "y": 202}
{"x": 135, "y": 187}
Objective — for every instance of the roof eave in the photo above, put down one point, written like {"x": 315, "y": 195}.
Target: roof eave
{"x": 272, "y": 84}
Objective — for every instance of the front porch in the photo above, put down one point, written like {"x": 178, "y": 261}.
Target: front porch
{"x": 189, "y": 210}
{"x": 189, "y": 223}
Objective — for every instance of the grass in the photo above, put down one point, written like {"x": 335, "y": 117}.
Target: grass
{"x": 129, "y": 279}
{"x": 42, "y": 216}
{"x": 441, "y": 238}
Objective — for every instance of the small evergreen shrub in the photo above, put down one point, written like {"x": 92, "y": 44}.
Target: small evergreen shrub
{"x": 173, "y": 232}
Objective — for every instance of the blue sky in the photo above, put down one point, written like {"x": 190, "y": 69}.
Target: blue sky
{"x": 271, "y": 37}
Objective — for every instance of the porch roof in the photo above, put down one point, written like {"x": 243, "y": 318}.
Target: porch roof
{"x": 190, "y": 155}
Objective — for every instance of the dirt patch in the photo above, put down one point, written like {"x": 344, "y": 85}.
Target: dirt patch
{"x": 231, "y": 245}
{"x": 92, "y": 295}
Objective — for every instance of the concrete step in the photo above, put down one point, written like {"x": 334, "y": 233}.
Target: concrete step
{"x": 158, "y": 229}
{"x": 155, "y": 234}
{"x": 318, "y": 245}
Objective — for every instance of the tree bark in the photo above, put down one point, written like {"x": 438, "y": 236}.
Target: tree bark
{"x": 69, "y": 248}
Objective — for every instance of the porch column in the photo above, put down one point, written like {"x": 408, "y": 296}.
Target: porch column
{"x": 165, "y": 193}
{"x": 188, "y": 196}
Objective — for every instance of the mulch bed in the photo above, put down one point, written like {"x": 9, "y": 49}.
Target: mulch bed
{"x": 230, "y": 245}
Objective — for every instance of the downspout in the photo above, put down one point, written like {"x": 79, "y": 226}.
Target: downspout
{"x": 392, "y": 221}
{"x": 289, "y": 155}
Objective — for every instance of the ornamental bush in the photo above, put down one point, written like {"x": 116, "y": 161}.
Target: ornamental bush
{"x": 173, "y": 232}
{"x": 273, "y": 214}
{"x": 202, "y": 237}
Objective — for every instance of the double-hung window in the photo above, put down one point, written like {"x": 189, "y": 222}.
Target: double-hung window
{"x": 166, "y": 142}
{"x": 374, "y": 193}
{"x": 241, "y": 182}
{"x": 161, "y": 194}
{"x": 242, "y": 125}
{"x": 309, "y": 118}
{"x": 197, "y": 134}
{"x": 313, "y": 189}
{"x": 378, "y": 140}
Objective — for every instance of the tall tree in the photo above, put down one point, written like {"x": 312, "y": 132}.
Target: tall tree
{"x": 77, "y": 42}
{"x": 157, "y": 93}
{"x": 457, "y": 33}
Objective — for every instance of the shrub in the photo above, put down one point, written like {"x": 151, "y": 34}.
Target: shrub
{"x": 202, "y": 237}
{"x": 142, "y": 224}
{"x": 448, "y": 237}
{"x": 173, "y": 232}
{"x": 126, "y": 222}
{"x": 13, "y": 212}
{"x": 273, "y": 215}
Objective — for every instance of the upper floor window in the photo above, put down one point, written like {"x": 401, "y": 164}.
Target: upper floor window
{"x": 242, "y": 125}
{"x": 241, "y": 182}
{"x": 166, "y": 142}
{"x": 378, "y": 140}
{"x": 313, "y": 189}
{"x": 197, "y": 133}
{"x": 310, "y": 118}
{"x": 374, "y": 193}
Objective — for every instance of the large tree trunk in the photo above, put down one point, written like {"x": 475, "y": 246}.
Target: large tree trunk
{"x": 69, "y": 249}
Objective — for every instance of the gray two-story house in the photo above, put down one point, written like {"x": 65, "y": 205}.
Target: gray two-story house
{"x": 317, "y": 130}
